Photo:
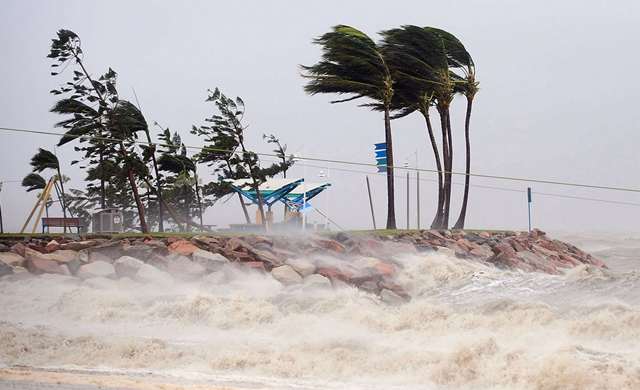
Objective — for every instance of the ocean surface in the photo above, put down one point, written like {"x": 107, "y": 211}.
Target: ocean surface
{"x": 468, "y": 325}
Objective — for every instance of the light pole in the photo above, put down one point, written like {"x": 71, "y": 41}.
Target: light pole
{"x": 406, "y": 165}
{"x": 1, "y": 223}
{"x": 322, "y": 175}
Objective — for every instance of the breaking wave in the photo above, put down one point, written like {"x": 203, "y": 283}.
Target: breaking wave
{"x": 468, "y": 325}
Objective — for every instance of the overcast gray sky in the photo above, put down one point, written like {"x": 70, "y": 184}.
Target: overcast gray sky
{"x": 558, "y": 100}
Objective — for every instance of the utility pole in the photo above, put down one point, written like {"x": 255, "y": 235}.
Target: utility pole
{"x": 408, "y": 198}
{"x": 1, "y": 223}
{"x": 373, "y": 217}
{"x": 529, "y": 205}
{"x": 418, "y": 197}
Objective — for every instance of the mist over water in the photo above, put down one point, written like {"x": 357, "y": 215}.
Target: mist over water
{"x": 468, "y": 325}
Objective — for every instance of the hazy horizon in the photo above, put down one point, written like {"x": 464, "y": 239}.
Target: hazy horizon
{"x": 550, "y": 105}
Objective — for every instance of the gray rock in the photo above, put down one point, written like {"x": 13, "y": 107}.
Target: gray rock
{"x": 317, "y": 281}
{"x": 150, "y": 274}
{"x": 5, "y": 269}
{"x": 96, "y": 269}
{"x": 391, "y": 298}
{"x": 12, "y": 259}
{"x": 302, "y": 266}
{"x": 127, "y": 266}
{"x": 210, "y": 261}
{"x": 285, "y": 274}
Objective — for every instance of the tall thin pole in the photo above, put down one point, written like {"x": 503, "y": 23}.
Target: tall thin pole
{"x": 408, "y": 199}
{"x": 529, "y": 205}
{"x": 373, "y": 216}
{"x": 1, "y": 223}
{"x": 304, "y": 196}
{"x": 418, "y": 198}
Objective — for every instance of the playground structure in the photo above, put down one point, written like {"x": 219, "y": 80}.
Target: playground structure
{"x": 293, "y": 193}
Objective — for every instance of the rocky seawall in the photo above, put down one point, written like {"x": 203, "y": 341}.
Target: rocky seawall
{"x": 363, "y": 260}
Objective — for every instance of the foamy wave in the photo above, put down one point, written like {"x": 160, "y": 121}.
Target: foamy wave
{"x": 468, "y": 325}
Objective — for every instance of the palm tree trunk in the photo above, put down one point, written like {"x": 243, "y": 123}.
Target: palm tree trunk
{"x": 158, "y": 184}
{"x": 64, "y": 203}
{"x": 463, "y": 211}
{"x": 391, "y": 208}
{"x": 255, "y": 187}
{"x": 447, "y": 175}
{"x": 445, "y": 157}
{"x": 436, "y": 220}
{"x": 103, "y": 192}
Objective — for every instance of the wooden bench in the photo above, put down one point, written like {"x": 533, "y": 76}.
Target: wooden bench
{"x": 48, "y": 222}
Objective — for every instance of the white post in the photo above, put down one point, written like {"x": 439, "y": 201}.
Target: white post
{"x": 304, "y": 195}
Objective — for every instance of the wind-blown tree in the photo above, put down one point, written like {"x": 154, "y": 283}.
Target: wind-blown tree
{"x": 110, "y": 128}
{"x": 352, "y": 64}
{"x": 33, "y": 182}
{"x": 286, "y": 161}
{"x": 418, "y": 61}
{"x": 182, "y": 180}
{"x": 44, "y": 160}
{"x": 227, "y": 152}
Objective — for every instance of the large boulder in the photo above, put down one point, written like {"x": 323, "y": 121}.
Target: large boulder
{"x": 302, "y": 266}
{"x": 391, "y": 298}
{"x": 127, "y": 266}
{"x": 150, "y": 274}
{"x": 316, "y": 281}
{"x": 183, "y": 268}
{"x": 63, "y": 256}
{"x": 286, "y": 275}
{"x": 210, "y": 261}
{"x": 96, "y": 269}
{"x": 12, "y": 259}
{"x": 5, "y": 269}
{"x": 183, "y": 247}
{"x": 44, "y": 266}
{"x": 78, "y": 245}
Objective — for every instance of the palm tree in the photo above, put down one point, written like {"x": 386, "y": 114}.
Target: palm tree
{"x": 417, "y": 59}
{"x": 352, "y": 64}
{"x": 44, "y": 160}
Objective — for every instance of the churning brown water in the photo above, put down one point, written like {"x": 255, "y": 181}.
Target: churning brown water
{"x": 467, "y": 326}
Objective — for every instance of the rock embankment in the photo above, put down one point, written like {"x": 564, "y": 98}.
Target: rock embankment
{"x": 366, "y": 261}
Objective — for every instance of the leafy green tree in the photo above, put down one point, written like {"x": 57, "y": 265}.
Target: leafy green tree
{"x": 286, "y": 161}
{"x": 226, "y": 151}
{"x": 353, "y": 64}
{"x": 182, "y": 179}
{"x": 110, "y": 128}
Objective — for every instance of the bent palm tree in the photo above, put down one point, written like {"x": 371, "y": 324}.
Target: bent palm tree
{"x": 460, "y": 60}
{"x": 43, "y": 160}
{"x": 417, "y": 59}
{"x": 352, "y": 64}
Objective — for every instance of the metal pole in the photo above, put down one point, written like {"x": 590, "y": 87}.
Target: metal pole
{"x": 529, "y": 205}
{"x": 418, "y": 198}
{"x": 304, "y": 196}
{"x": 373, "y": 216}
{"x": 1, "y": 223}
{"x": 408, "y": 198}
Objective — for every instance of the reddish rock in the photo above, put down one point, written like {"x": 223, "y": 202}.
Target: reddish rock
{"x": 52, "y": 246}
{"x": 385, "y": 269}
{"x": 331, "y": 245}
{"x": 79, "y": 245}
{"x": 485, "y": 234}
{"x": 334, "y": 273}
{"x": 43, "y": 266}
{"x": 183, "y": 247}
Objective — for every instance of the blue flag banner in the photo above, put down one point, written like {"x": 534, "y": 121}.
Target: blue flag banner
{"x": 381, "y": 146}
{"x": 382, "y": 169}
{"x": 381, "y": 161}
{"x": 381, "y": 153}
